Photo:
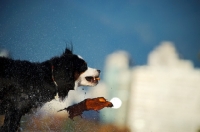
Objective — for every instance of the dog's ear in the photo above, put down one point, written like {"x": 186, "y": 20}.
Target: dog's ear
{"x": 69, "y": 48}
{"x": 67, "y": 51}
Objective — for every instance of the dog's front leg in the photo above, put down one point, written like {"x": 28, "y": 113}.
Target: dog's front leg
{"x": 11, "y": 121}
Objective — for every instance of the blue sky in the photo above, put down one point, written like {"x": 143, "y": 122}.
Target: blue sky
{"x": 38, "y": 30}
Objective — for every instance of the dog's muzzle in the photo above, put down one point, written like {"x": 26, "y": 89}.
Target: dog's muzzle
{"x": 93, "y": 79}
{"x": 90, "y": 77}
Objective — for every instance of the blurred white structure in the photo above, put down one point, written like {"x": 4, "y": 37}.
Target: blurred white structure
{"x": 117, "y": 82}
{"x": 163, "y": 96}
{"x": 165, "y": 93}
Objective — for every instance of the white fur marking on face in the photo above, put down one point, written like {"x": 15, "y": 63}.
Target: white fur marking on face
{"x": 82, "y": 81}
{"x": 80, "y": 57}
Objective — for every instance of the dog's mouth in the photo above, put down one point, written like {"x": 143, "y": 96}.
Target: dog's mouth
{"x": 92, "y": 79}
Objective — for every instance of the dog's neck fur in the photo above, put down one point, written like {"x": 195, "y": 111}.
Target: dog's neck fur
{"x": 57, "y": 76}
{"x": 52, "y": 68}
{"x": 56, "y": 85}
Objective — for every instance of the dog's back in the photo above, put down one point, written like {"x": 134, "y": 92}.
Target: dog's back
{"x": 23, "y": 85}
{"x": 18, "y": 80}
{"x": 15, "y": 72}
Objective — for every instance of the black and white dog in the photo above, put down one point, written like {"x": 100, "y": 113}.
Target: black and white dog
{"x": 25, "y": 85}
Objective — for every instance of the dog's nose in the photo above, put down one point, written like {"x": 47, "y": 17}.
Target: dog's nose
{"x": 98, "y": 71}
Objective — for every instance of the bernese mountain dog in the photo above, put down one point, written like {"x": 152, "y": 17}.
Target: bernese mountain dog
{"x": 25, "y": 85}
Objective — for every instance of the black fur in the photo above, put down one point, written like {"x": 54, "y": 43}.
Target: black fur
{"x": 25, "y": 85}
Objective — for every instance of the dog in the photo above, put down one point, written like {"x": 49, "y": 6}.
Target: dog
{"x": 25, "y": 85}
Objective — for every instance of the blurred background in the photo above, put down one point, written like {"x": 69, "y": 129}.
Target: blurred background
{"x": 148, "y": 52}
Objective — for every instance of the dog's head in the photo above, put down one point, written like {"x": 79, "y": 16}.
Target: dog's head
{"x": 79, "y": 71}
